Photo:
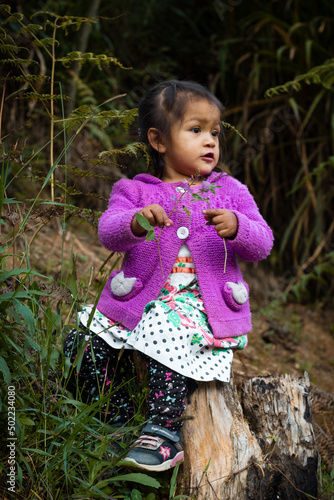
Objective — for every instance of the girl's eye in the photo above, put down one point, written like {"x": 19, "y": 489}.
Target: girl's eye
{"x": 215, "y": 133}
{"x": 196, "y": 130}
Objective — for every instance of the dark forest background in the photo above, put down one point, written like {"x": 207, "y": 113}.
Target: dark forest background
{"x": 71, "y": 76}
{"x": 269, "y": 62}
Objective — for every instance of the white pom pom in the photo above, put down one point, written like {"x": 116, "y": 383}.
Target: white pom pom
{"x": 239, "y": 292}
{"x": 121, "y": 286}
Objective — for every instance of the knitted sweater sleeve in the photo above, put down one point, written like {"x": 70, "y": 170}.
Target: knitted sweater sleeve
{"x": 115, "y": 223}
{"x": 254, "y": 239}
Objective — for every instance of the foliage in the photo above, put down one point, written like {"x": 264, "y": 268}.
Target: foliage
{"x": 63, "y": 448}
{"x": 24, "y": 58}
{"x": 187, "y": 184}
{"x": 244, "y": 52}
{"x": 248, "y": 53}
{"x": 323, "y": 75}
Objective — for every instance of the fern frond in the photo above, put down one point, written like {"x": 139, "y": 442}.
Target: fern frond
{"x": 15, "y": 17}
{"x": 71, "y": 191}
{"x": 322, "y": 75}
{"x": 10, "y": 48}
{"x": 26, "y": 78}
{"x": 18, "y": 61}
{"x": 4, "y": 35}
{"x": 82, "y": 58}
{"x": 133, "y": 149}
{"x": 45, "y": 42}
{"x": 103, "y": 118}
{"x": 65, "y": 22}
{"x": 6, "y": 39}
{"x": 77, "y": 172}
{"x": 43, "y": 97}
{"x": 5, "y": 7}
{"x": 105, "y": 163}
{"x": 128, "y": 117}
{"x": 231, "y": 127}
{"x": 30, "y": 28}
{"x": 79, "y": 116}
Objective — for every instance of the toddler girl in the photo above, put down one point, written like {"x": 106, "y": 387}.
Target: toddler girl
{"x": 183, "y": 303}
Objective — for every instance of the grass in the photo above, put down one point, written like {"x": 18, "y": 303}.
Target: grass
{"x": 62, "y": 448}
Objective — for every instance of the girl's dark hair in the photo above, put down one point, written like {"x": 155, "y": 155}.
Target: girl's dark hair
{"x": 164, "y": 104}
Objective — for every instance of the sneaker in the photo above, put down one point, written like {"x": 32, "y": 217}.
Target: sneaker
{"x": 157, "y": 449}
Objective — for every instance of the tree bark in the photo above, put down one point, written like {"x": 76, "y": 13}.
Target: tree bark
{"x": 255, "y": 445}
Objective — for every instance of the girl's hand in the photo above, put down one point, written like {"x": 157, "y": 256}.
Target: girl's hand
{"x": 225, "y": 221}
{"x": 156, "y": 216}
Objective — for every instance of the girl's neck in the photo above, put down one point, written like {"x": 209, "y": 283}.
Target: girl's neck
{"x": 193, "y": 181}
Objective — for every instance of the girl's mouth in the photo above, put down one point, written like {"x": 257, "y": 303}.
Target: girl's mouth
{"x": 209, "y": 156}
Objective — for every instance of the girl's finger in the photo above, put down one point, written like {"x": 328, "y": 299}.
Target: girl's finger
{"x": 211, "y": 212}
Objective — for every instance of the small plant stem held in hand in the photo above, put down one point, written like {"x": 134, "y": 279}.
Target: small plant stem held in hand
{"x": 148, "y": 218}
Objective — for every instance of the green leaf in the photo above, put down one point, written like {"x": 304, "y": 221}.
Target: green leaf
{"x": 39, "y": 452}
{"x": 136, "y": 495}
{"x": 26, "y": 421}
{"x": 173, "y": 483}
{"x": 17, "y": 272}
{"x": 27, "y": 315}
{"x": 5, "y": 371}
{"x": 207, "y": 465}
{"x": 11, "y": 200}
{"x": 150, "y": 235}
{"x": 143, "y": 222}
{"x": 186, "y": 211}
{"x": 136, "y": 478}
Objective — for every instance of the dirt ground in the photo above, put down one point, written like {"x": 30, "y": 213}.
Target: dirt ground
{"x": 290, "y": 338}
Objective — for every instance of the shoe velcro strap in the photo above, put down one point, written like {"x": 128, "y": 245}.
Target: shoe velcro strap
{"x": 151, "y": 440}
{"x": 161, "y": 431}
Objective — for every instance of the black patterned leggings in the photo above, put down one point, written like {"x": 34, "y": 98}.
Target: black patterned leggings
{"x": 101, "y": 369}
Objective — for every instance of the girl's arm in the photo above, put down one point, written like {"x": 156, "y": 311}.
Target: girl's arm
{"x": 246, "y": 230}
{"x": 225, "y": 221}
{"x": 156, "y": 216}
{"x": 114, "y": 229}
{"x": 118, "y": 226}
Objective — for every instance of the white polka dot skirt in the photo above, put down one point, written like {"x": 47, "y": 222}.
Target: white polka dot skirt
{"x": 174, "y": 330}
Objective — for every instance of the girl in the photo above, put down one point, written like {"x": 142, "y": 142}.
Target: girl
{"x": 187, "y": 325}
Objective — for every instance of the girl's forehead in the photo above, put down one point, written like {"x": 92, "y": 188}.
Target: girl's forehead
{"x": 198, "y": 107}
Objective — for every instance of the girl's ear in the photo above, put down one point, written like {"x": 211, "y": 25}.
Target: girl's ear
{"x": 156, "y": 140}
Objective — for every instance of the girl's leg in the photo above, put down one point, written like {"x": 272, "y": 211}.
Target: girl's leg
{"x": 166, "y": 399}
{"x": 102, "y": 375}
{"x": 160, "y": 447}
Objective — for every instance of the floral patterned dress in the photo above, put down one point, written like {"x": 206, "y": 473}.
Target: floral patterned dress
{"x": 174, "y": 329}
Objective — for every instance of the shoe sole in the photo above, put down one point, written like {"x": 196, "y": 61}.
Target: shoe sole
{"x": 156, "y": 468}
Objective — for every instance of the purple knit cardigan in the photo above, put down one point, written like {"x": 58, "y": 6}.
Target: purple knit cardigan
{"x": 140, "y": 280}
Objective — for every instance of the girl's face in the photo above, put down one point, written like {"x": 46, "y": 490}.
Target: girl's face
{"x": 194, "y": 142}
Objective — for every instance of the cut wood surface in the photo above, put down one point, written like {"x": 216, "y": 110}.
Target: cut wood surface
{"x": 258, "y": 444}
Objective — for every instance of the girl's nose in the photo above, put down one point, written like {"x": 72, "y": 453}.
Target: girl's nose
{"x": 209, "y": 140}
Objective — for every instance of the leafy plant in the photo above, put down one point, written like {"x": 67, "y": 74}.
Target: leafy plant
{"x": 74, "y": 452}
{"x": 144, "y": 222}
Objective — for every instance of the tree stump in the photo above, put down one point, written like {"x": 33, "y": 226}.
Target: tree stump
{"x": 256, "y": 445}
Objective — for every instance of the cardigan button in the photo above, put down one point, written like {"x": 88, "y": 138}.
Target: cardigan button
{"x": 182, "y": 233}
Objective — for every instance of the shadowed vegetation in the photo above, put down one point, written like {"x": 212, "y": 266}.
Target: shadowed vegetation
{"x": 72, "y": 76}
